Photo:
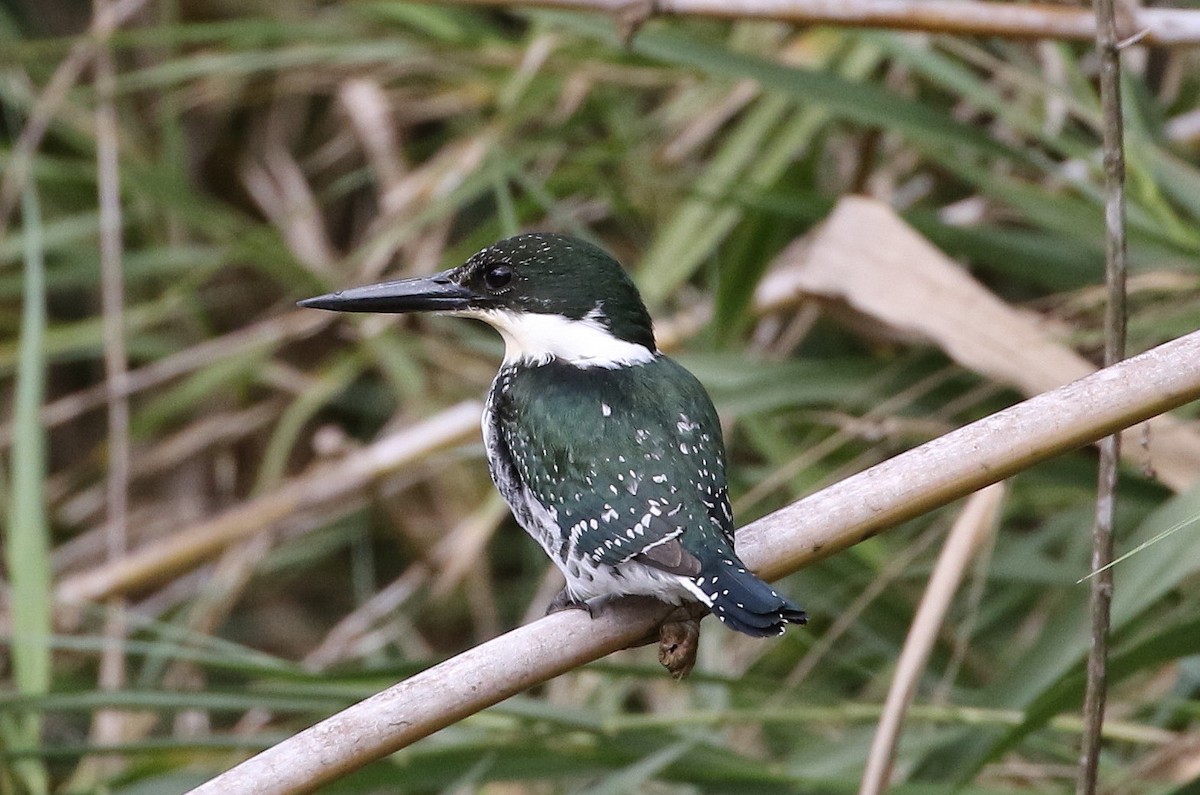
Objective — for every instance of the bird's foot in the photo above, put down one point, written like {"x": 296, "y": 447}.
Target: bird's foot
{"x": 564, "y": 601}
{"x": 678, "y": 637}
{"x": 678, "y": 642}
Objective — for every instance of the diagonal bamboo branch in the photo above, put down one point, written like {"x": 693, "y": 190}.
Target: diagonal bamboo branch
{"x": 901, "y": 488}
{"x": 1158, "y": 26}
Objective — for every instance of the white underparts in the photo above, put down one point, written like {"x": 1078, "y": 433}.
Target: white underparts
{"x": 534, "y": 337}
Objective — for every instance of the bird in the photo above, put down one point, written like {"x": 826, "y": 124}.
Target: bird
{"x": 608, "y": 452}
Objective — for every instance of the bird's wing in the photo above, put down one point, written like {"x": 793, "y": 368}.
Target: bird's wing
{"x": 624, "y": 479}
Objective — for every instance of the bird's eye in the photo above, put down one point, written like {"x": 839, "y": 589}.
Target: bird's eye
{"x": 497, "y": 277}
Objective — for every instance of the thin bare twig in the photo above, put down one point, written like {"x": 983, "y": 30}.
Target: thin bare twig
{"x": 848, "y": 615}
{"x": 1161, "y": 26}
{"x": 1108, "y": 47}
{"x": 861, "y": 506}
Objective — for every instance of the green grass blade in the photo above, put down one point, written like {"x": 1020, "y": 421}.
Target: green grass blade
{"x": 301, "y": 411}
{"x": 927, "y": 129}
{"x": 27, "y": 542}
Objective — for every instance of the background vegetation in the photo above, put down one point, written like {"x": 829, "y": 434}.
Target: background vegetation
{"x": 271, "y": 151}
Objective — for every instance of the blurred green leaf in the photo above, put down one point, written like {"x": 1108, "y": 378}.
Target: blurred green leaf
{"x": 27, "y": 537}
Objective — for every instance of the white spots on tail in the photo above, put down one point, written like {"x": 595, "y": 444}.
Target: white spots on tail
{"x": 696, "y": 590}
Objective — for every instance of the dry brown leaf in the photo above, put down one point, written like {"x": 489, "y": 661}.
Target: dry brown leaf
{"x": 867, "y": 259}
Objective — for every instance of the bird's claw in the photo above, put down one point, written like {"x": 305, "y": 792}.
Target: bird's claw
{"x": 564, "y": 601}
{"x": 678, "y": 638}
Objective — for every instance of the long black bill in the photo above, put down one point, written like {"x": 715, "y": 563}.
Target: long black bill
{"x": 425, "y": 294}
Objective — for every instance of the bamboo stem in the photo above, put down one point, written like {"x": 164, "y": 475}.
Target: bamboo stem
{"x": 1160, "y": 26}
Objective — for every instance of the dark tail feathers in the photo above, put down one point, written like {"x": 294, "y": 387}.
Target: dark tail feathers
{"x": 745, "y": 603}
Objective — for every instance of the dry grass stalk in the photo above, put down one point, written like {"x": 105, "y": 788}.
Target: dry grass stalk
{"x": 275, "y": 331}
{"x": 61, "y": 82}
{"x": 110, "y": 727}
{"x": 852, "y": 613}
{"x": 324, "y": 486}
{"x": 968, "y": 534}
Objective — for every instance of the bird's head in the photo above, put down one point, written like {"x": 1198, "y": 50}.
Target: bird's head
{"x": 550, "y": 296}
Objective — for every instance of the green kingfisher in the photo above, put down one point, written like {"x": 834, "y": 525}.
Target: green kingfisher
{"x": 608, "y": 452}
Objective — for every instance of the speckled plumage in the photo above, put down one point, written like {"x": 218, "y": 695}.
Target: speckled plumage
{"x": 608, "y": 452}
{"x": 620, "y": 476}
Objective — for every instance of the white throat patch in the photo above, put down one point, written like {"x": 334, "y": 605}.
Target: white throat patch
{"x": 533, "y": 337}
